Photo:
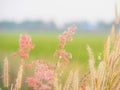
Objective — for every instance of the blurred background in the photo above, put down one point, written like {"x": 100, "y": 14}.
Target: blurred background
{"x": 44, "y": 20}
{"x": 54, "y": 15}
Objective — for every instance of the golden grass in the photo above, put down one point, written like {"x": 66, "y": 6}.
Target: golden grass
{"x": 19, "y": 79}
{"x": 6, "y": 73}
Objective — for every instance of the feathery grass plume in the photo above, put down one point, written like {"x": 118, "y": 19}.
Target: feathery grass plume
{"x": 60, "y": 87}
{"x": 92, "y": 68}
{"x": 116, "y": 86}
{"x": 101, "y": 75}
{"x": 117, "y": 71}
{"x": 115, "y": 53}
{"x": 84, "y": 77}
{"x": 112, "y": 34}
{"x": 113, "y": 62}
{"x": 11, "y": 88}
{"x": 6, "y": 73}
{"x": 75, "y": 82}
{"x": 117, "y": 42}
{"x": 114, "y": 77}
{"x": 107, "y": 49}
{"x": 84, "y": 80}
{"x": 107, "y": 77}
{"x": 56, "y": 82}
{"x": 115, "y": 47}
{"x": 68, "y": 81}
{"x": 108, "y": 55}
{"x": 116, "y": 15}
{"x": 19, "y": 78}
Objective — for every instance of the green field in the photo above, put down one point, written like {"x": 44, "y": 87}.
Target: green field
{"x": 45, "y": 46}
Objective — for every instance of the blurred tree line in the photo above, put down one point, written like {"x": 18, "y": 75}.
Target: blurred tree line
{"x": 41, "y": 25}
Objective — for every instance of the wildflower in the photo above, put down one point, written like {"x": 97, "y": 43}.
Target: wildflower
{"x": 66, "y": 36}
{"x": 64, "y": 55}
{"x": 43, "y": 78}
{"x": 25, "y": 45}
{"x": 32, "y": 82}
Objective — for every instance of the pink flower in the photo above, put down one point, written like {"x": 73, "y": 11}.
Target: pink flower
{"x": 43, "y": 78}
{"x": 66, "y": 36}
{"x": 25, "y": 45}
{"x": 32, "y": 82}
{"x": 23, "y": 53}
{"x": 49, "y": 74}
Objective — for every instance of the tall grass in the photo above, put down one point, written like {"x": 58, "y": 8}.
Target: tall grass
{"x": 6, "y": 73}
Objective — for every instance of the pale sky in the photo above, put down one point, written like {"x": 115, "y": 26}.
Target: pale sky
{"x": 60, "y": 11}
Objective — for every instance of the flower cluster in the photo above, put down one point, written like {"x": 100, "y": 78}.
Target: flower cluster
{"x": 43, "y": 78}
{"x": 64, "y": 55}
{"x": 66, "y": 36}
{"x": 25, "y": 45}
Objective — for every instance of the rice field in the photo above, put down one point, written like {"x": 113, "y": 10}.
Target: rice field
{"x": 46, "y": 44}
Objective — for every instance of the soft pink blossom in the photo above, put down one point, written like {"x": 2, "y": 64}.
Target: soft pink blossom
{"x": 25, "y": 45}
{"x": 43, "y": 78}
{"x": 49, "y": 74}
{"x": 66, "y": 36}
{"x": 32, "y": 82}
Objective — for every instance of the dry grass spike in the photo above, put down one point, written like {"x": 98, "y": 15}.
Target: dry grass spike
{"x": 19, "y": 78}
{"x": 6, "y": 73}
